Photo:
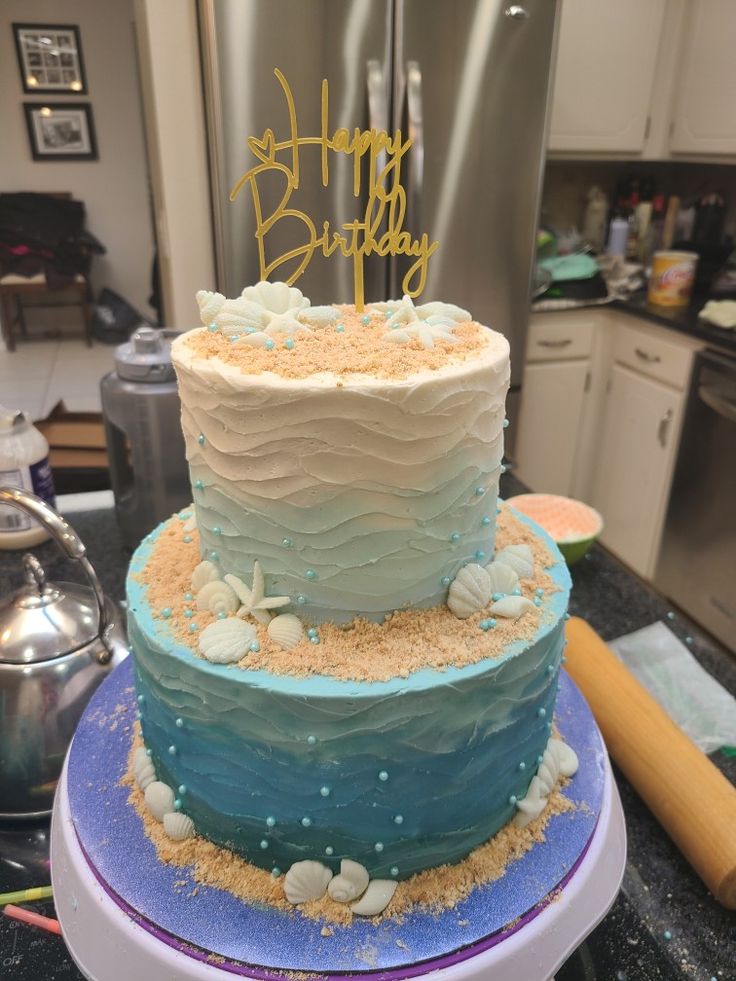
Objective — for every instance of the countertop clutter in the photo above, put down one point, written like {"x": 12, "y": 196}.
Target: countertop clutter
{"x": 664, "y": 924}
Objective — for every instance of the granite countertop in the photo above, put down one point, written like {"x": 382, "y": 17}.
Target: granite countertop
{"x": 660, "y": 891}
{"x": 685, "y": 320}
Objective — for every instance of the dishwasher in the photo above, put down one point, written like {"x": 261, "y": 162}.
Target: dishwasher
{"x": 697, "y": 561}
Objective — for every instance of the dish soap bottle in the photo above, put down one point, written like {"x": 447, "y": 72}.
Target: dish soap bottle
{"x": 24, "y": 462}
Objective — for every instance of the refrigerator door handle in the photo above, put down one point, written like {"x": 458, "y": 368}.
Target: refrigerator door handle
{"x": 377, "y": 103}
{"x": 416, "y": 135}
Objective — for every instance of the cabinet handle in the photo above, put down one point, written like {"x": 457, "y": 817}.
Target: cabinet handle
{"x": 664, "y": 426}
{"x": 562, "y": 343}
{"x": 646, "y": 356}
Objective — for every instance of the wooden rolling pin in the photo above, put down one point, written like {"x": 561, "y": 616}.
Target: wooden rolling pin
{"x": 689, "y": 796}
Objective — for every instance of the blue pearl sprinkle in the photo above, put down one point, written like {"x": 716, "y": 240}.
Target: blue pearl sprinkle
{"x": 288, "y": 343}
{"x": 498, "y": 509}
{"x": 269, "y": 345}
{"x": 537, "y": 601}
{"x": 312, "y": 632}
{"x": 166, "y": 612}
{"x": 497, "y": 596}
{"x": 502, "y": 468}
{"x": 286, "y": 542}
{"x": 505, "y": 424}
{"x": 311, "y": 740}
{"x": 172, "y": 750}
{"x": 306, "y": 822}
{"x": 217, "y": 530}
{"x": 563, "y": 659}
{"x": 479, "y": 555}
{"x": 567, "y": 616}
{"x": 214, "y": 556}
{"x": 270, "y": 822}
{"x": 189, "y": 597}
{"x": 329, "y": 850}
{"x": 324, "y": 791}
{"x": 670, "y": 615}
{"x": 378, "y": 846}
{"x": 233, "y": 338}
{"x": 667, "y": 935}
{"x": 177, "y": 804}
{"x": 516, "y": 592}
{"x": 199, "y": 484}
{"x": 251, "y": 330}
{"x": 689, "y": 641}
{"x": 445, "y": 580}
{"x": 539, "y": 591}
{"x": 311, "y": 574}
{"x": 182, "y": 789}
{"x": 275, "y": 872}
{"x": 340, "y": 329}
{"x": 301, "y": 600}
{"x": 141, "y": 699}
{"x": 480, "y": 491}
{"x": 212, "y": 328}
{"x": 394, "y": 870}
{"x": 193, "y": 628}
{"x": 189, "y": 614}
{"x": 550, "y": 669}
{"x": 540, "y": 760}
{"x": 180, "y": 723}
{"x": 264, "y": 844}
{"x": 187, "y": 539}
{"x": 255, "y": 646}
{"x": 383, "y": 776}
{"x": 314, "y": 640}
{"x": 485, "y": 521}
{"x": 487, "y": 624}
{"x": 541, "y": 712}
{"x": 222, "y": 615}
{"x": 455, "y": 536}
{"x": 200, "y": 439}
{"x": 398, "y": 819}
{"x": 512, "y": 799}
{"x": 522, "y": 766}
{"x": 149, "y": 752}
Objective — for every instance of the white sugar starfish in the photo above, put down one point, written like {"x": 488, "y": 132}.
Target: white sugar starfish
{"x": 255, "y": 603}
{"x": 426, "y": 331}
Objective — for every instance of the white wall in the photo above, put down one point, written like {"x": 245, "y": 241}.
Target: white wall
{"x": 113, "y": 188}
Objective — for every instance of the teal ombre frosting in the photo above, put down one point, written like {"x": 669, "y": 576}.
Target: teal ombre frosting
{"x": 441, "y": 750}
{"x": 373, "y": 481}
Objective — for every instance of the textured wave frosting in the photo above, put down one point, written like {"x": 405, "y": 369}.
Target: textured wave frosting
{"x": 400, "y": 776}
{"x": 358, "y": 497}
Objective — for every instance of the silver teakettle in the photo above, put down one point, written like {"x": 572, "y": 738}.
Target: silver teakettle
{"x": 57, "y": 643}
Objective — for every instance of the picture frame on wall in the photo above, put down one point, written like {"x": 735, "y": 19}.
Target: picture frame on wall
{"x": 50, "y": 59}
{"x": 61, "y": 130}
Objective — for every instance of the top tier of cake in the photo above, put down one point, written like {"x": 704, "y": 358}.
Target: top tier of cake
{"x": 356, "y": 457}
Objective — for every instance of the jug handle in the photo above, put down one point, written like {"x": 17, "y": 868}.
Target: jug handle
{"x": 70, "y": 543}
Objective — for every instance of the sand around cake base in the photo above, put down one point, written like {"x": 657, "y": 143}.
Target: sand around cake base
{"x": 177, "y": 899}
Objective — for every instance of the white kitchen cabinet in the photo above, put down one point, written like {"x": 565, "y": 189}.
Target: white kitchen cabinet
{"x": 634, "y": 467}
{"x": 606, "y": 63}
{"x": 704, "y": 114}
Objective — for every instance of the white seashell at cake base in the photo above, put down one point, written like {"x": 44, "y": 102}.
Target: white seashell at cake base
{"x": 203, "y": 573}
{"x": 519, "y": 557}
{"x": 209, "y": 305}
{"x": 376, "y": 898}
{"x": 145, "y": 774}
{"x": 226, "y": 641}
{"x": 351, "y": 882}
{"x": 286, "y": 630}
{"x": 159, "y": 799}
{"x": 512, "y": 607}
{"x": 306, "y": 881}
{"x": 217, "y": 597}
{"x": 503, "y": 578}
{"x": 469, "y": 591}
{"x": 178, "y": 826}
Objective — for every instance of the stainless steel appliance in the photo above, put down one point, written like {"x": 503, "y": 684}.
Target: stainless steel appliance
{"x": 467, "y": 80}
{"x": 57, "y": 643}
{"x": 141, "y": 408}
{"x": 697, "y": 562}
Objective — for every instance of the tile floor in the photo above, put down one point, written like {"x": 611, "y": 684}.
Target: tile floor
{"x": 40, "y": 373}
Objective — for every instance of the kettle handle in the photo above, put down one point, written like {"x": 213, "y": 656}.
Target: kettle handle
{"x": 70, "y": 542}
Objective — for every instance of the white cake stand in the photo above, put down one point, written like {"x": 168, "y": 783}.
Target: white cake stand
{"x": 109, "y": 945}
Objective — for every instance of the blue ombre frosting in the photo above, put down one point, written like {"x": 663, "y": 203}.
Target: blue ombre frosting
{"x": 405, "y": 774}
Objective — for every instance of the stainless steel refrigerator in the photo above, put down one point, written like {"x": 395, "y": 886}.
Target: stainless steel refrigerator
{"x": 468, "y": 80}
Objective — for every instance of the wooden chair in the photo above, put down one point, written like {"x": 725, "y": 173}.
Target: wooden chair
{"x": 13, "y": 288}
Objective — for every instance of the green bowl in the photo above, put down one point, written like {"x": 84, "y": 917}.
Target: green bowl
{"x": 550, "y": 511}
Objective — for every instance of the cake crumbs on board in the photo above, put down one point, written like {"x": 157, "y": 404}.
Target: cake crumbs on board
{"x": 433, "y": 890}
{"x": 405, "y": 642}
{"x": 359, "y": 349}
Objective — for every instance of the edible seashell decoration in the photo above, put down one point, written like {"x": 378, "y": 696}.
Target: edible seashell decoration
{"x": 276, "y": 297}
{"x": 140, "y": 757}
{"x": 351, "y": 883}
{"x": 238, "y": 316}
{"x": 286, "y": 630}
{"x": 512, "y": 607}
{"x": 519, "y": 557}
{"x": 191, "y": 523}
{"x": 145, "y": 773}
{"x": 318, "y": 316}
{"x": 178, "y": 826}
{"x": 469, "y": 591}
{"x": 306, "y": 881}
{"x": 558, "y": 759}
{"x": 376, "y": 898}
{"x": 209, "y": 305}
{"x": 217, "y": 597}
{"x": 203, "y": 573}
{"x": 159, "y": 799}
{"x": 502, "y": 577}
{"x": 226, "y": 641}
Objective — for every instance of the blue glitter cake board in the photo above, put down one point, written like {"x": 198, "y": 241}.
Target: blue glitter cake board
{"x": 251, "y": 936}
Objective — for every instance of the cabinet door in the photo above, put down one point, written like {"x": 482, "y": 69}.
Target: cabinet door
{"x": 605, "y": 71}
{"x": 634, "y": 466}
{"x": 705, "y": 112}
{"x": 552, "y": 404}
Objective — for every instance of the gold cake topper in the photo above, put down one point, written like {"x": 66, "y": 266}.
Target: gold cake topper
{"x": 386, "y": 198}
